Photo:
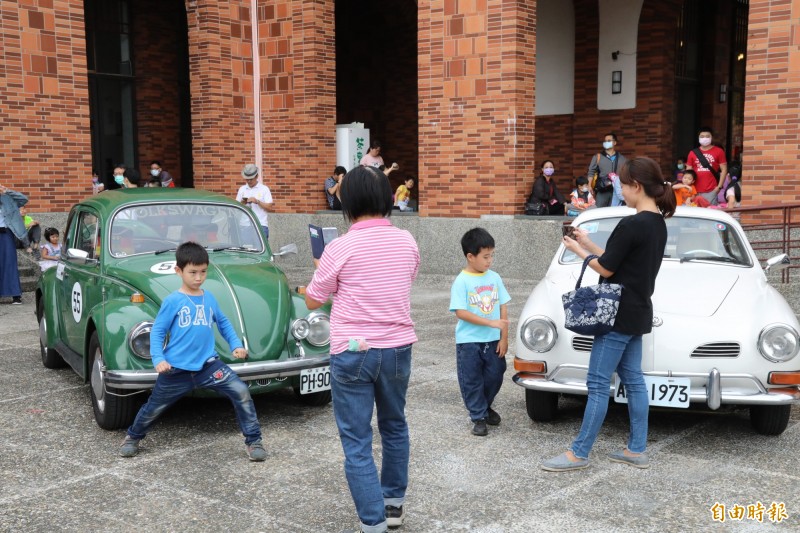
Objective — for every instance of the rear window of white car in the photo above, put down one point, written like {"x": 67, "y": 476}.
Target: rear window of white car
{"x": 688, "y": 239}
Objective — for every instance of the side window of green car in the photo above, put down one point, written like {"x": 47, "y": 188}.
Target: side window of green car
{"x": 86, "y": 236}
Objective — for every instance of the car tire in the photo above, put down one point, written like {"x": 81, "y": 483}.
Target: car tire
{"x": 50, "y": 357}
{"x": 315, "y": 399}
{"x": 770, "y": 419}
{"x": 541, "y": 406}
{"x": 110, "y": 412}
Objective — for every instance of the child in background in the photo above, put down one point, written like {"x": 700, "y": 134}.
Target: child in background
{"x": 480, "y": 300}
{"x": 403, "y": 194}
{"x": 581, "y": 198}
{"x": 685, "y": 191}
{"x": 678, "y": 170}
{"x": 34, "y": 232}
{"x": 51, "y": 250}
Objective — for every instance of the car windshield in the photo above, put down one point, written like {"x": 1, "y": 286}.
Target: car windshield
{"x": 688, "y": 239}
{"x": 162, "y": 227}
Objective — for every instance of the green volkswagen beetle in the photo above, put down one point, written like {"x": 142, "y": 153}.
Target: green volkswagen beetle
{"x": 97, "y": 305}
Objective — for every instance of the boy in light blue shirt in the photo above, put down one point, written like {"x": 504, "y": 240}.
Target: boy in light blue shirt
{"x": 479, "y": 300}
{"x": 189, "y": 360}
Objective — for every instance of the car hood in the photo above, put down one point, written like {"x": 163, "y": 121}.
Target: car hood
{"x": 690, "y": 289}
{"x": 251, "y": 291}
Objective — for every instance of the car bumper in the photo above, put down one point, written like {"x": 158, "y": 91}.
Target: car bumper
{"x": 251, "y": 371}
{"x": 718, "y": 389}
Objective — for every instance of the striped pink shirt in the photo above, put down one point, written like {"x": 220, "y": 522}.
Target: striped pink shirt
{"x": 369, "y": 271}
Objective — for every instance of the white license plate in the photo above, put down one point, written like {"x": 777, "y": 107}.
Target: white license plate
{"x": 315, "y": 379}
{"x": 665, "y": 392}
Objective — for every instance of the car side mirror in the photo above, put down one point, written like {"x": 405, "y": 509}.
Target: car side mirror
{"x": 79, "y": 256}
{"x": 777, "y": 263}
{"x": 288, "y": 249}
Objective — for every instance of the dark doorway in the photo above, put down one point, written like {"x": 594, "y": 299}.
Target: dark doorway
{"x": 376, "y": 76}
{"x": 710, "y": 65}
{"x": 138, "y": 62}
{"x": 111, "y": 86}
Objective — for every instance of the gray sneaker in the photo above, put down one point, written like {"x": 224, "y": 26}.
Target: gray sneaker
{"x": 130, "y": 447}
{"x": 562, "y": 463}
{"x": 394, "y": 516}
{"x": 256, "y": 451}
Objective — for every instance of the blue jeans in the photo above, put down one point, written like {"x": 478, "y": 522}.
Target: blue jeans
{"x": 480, "y": 376}
{"x": 621, "y": 353}
{"x": 265, "y": 231}
{"x": 376, "y": 376}
{"x": 214, "y": 375}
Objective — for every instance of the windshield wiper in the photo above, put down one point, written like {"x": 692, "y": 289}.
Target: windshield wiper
{"x": 236, "y": 248}
{"x": 709, "y": 258}
{"x": 165, "y": 250}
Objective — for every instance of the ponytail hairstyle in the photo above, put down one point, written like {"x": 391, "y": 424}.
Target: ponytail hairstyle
{"x": 647, "y": 173}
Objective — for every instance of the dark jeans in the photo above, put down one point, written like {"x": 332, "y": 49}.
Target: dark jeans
{"x": 480, "y": 375}
{"x": 34, "y": 236}
{"x": 215, "y": 375}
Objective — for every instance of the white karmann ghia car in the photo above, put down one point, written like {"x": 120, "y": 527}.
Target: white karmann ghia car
{"x": 721, "y": 334}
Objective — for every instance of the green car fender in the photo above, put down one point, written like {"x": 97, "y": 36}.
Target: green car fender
{"x": 114, "y": 321}
{"x": 47, "y": 304}
{"x": 299, "y": 310}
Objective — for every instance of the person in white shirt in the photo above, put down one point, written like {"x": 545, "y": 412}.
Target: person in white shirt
{"x": 256, "y": 195}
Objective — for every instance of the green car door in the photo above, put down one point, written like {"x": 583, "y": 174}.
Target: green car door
{"x": 81, "y": 282}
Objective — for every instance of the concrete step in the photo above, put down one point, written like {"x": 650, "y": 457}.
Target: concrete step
{"x": 29, "y": 271}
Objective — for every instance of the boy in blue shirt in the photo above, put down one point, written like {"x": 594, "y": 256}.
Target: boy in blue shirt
{"x": 479, "y": 300}
{"x": 189, "y": 360}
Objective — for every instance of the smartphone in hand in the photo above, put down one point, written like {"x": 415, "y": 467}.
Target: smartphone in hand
{"x": 568, "y": 231}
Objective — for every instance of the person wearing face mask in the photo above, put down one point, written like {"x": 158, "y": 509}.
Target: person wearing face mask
{"x": 115, "y": 180}
{"x": 581, "y": 197}
{"x": 546, "y": 194}
{"x": 157, "y": 172}
{"x": 605, "y": 164}
{"x": 709, "y": 162}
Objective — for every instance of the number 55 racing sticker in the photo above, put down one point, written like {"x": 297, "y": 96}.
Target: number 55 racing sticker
{"x": 77, "y": 302}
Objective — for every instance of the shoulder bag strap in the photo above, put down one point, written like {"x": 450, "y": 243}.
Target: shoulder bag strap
{"x": 583, "y": 269}
{"x": 704, "y": 162}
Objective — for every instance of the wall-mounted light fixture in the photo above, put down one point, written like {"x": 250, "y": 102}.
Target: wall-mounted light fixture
{"x": 615, "y": 55}
{"x": 616, "y": 82}
{"x": 723, "y": 93}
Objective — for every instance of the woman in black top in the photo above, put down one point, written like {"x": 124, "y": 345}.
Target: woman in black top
{"x": 632, "y": 258}
{"x": 546, "y": 192}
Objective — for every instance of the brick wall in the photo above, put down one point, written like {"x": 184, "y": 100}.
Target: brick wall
{"x": 476, "y": 105}
{"x": 45, "y": 147}
{"x": 772, "y": 102}
{"x": 297, "y": 65}
{"x": 155, "y": 54}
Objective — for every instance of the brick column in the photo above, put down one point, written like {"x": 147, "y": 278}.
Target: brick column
{"x": 771, "y": 111}
{"x": 476, "y": 105}
{"x": 45, "y": 142}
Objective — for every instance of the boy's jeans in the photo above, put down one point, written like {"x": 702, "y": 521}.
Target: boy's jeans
{"x": 214, "y": 375}
{"x": 623, "y": 353}
{"x": 480, "y": 376}
{"x": 376, "y": 376}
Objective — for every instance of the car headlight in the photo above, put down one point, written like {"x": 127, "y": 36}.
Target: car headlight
{"x": 139, "y": 340}
{"x": 319, "y": 333}
{"x": 300, "y": 329}
{"x": 778, "y": 343}
{"x": 538, "y": 333}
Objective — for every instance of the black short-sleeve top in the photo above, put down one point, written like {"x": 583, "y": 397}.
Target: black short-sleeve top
{"x": 633, "y": 253}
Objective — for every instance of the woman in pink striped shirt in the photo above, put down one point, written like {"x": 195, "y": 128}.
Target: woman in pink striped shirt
{"x": 369, "y": 272}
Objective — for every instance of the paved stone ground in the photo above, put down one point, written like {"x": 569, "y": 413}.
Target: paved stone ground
{"x": 59, "y": 471}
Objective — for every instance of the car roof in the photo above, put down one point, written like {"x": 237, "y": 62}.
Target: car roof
{"x": 107, "y": 201}
{"x": 680, "y": 211}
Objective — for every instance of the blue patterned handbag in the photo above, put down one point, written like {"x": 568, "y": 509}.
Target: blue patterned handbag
{"x": 591, "y": 310}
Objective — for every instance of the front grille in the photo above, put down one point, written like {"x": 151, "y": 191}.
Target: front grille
{"x": 582, "y": 344}
{"x": 717, "y": 349}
